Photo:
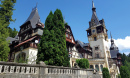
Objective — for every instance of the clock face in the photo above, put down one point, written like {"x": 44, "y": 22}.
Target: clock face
{"x": 93, "y": 31}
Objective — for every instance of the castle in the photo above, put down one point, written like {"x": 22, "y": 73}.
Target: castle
{"x": 96, "y": 51}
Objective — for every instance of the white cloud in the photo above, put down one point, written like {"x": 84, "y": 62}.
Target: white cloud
{"x": 126, "y": 53}
{"x": 122, "y": 44}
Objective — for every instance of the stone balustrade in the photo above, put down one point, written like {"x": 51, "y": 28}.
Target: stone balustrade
{"x": 16, "y": 70}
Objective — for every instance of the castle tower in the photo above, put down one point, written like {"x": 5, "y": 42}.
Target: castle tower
{"x": 98, "y": 40}
{"x": 97, "y": 36}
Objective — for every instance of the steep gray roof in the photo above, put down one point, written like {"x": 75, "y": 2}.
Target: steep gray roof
{"x": 113, "y": 49}
{"x": 11, "y": 39}
{"x": 114, "y": 53}
{"x": 82, "y": 44}
{"x": 34, "y": 18}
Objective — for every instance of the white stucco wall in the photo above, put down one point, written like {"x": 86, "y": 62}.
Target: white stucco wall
{"x": 31, "y": 55}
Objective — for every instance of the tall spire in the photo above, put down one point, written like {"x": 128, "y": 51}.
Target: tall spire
{"x": 112, "y": 41}
{"x": 93, "y": 6}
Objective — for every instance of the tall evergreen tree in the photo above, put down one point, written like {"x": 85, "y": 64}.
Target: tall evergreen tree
{"x": 46, "y": 48}
{"x": 62, "y": 54}
{"x": 6, "y": 12}
{"x": 52, "y": 49}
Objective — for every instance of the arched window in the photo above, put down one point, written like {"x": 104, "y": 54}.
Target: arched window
{"x": 21, "y": 57}
{"x": 97, "y": 67}
{"x": 101, "y": 66}
{"x": 91, "y": 66}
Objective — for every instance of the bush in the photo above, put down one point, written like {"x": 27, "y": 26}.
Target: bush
{"x": 106, "y": 73}
{"x": 82, "y": 63}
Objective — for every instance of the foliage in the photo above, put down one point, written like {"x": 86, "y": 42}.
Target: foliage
{"x": 12, "y": 32}
{"x": 106, "y": 73}
{"x": 82, "y": 63}
{"x": 126, "y": 61}
{"x": 119, "y": 76}
{"x": 21, "y": 60}
{"x": 52, "y": 48}
{"x": 123, "y": 58}
{"x": 124, "y": 72}
{"x": 6, "y": 12}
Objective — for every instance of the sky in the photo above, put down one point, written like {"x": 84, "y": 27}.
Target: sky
{"x": 77, "y": 13}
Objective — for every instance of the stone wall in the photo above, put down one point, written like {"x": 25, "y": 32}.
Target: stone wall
{"x": 16, "y": 70}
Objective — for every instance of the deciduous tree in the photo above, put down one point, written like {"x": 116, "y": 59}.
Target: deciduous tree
{"x": 6, "y": 12}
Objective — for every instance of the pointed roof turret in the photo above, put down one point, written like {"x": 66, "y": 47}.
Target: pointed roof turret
{"x": 94, "y": 18}
{"x": 34, "y": 17}
{"x": 113, "y": 46}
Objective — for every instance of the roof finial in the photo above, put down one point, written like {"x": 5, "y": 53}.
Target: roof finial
{"x": 93, "y": 4}
{"x": 110, "y": 35}
{"x": 36, "y": 4}
{"x": 35, "y": 8}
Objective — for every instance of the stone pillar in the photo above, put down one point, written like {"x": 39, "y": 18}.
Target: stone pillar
{"x": 1, "y": 68}
{"x": 94, "y": 67}
{"x": 99, "y": 68}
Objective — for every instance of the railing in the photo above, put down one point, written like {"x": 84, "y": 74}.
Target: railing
{"x": 97, "y": 59}
{"x": 16, "y": 70}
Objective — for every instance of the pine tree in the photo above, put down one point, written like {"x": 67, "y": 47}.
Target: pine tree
{"x": 52, "y": 48}
{"x": 6, "y": 12}
{"x": 106, "y": 73}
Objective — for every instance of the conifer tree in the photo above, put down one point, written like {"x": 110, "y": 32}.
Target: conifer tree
{"x": 45, "y": 49}
{"x": 52, "y": 48}
{"x": 6, "y": 12}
